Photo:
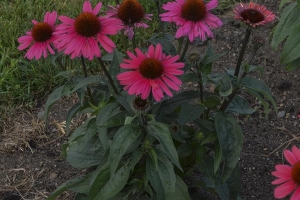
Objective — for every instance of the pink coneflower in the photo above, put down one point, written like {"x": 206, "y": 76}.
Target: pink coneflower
{"x": 151, "y": 71}
{"x": 80, "y": 36}
{"x": 192, "y": 17}
{"x": 41, "y": 36}
{"x": 131, "y": 12}
{"x": 253, "y": 14}
{"x": 288, "y": 176}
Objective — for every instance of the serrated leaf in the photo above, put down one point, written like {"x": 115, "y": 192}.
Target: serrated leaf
{"x": 288, "y": 20}
{"x": 239, "y": 105}
{"x": 190, "y": 112}
{"x": 230, "y": 137}
{"x": 291, "y": 48}
{"x": 115, "y": 184}
{"x": 124, "y": 137}
{"x": 161, "y": 132}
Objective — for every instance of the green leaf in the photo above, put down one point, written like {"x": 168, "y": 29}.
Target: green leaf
{"x": 190, "y": 112}
{"x": 115, "y": 64}
{"x": 106, "y": 113}
{"x": 161, "y": 132}
{"x": 168, "y": 106}
{"x": 283, "y": 2}
{"x": 166, "y": 44}
{"x": 230, "y": 137}
{"x": 124, "y": 137}
{"x": 291, "y": 48}
{"x": 54, "y": 96}
{"x": 116, "y": 120}
{"x": 124, "y": 102}
{"x": 217, "y": 158}
{"x": 184, "y": 150}
{"x": 153, "y": 156}
{"x": 115, "y": 184}
{"x": 82, "y": 153}
{"x": 260, "y": 97}
{"x": 289, "y": 19}
{"x": 293, "y": 65}
{"x": 87, "y": 81}
{"x": 224, "y": 86}
{"x": 211, "y": 101}
{"x": 72, "y": 111}
{"x": 101, "y": 177}
{"x": 258, "y": 86}
{"x": 65, "y": 186}
{"x": 181, "y": 190}
{"x": 135, "y": 158}
{"x": 163, "y": 178}
{"x": 239, "y": 105}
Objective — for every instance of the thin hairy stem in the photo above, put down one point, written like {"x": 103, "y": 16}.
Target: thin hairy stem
{"x": 111, "y": 82}
{"x": 89, "y": 92}
{"x": 242, "y": 52}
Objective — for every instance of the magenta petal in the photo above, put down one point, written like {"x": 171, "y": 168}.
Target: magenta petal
{"x": 296, "y": 195}
{"x": 290, "y": 157}
{"x": 284, "y": 189}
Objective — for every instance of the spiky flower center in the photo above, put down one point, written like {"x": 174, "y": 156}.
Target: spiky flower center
{"x": 296, "y": 173}
{"x": 130, "y": 12}
{"x": 140, "y": 104}
{"x": 252, "y": 15}
{"x": 193, "y": 10}
{"x": 87, "y": 24}
{"x": 42, "y": 32}
{"x": 151, "y": 68}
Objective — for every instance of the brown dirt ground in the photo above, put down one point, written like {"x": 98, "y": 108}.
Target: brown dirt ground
{"x": 30, "y": 166}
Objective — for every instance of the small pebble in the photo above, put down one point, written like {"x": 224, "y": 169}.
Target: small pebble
{"x": 53, "y": 175}
{"x": 281, "y": 114}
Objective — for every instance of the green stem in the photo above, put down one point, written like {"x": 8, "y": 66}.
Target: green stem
{"x": 227, "y": 102}
{"x": 180, "y": 42}
{"x": 133, "y": 42}
{"x": 89, "y": 92}
{"x": 111, "y": 82}
{"x": 185, "y": 49}
{"x": 242, "y": 52}
{"x": 161, "y": 26}
{"x": 124, "y": 39}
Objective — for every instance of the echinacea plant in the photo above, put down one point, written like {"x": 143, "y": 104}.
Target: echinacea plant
{"x": 144, "y": 136}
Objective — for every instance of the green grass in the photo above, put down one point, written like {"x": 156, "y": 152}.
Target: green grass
{"x": 23, "y": 81}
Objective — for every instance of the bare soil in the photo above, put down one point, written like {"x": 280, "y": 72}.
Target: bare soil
{"x": 30, "y": 163}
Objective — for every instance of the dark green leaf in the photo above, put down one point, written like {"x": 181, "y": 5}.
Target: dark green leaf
{"x": 101, "y": 177}
{"x": 135, "y": 158}
{"x": 171, "y": 104}
{"x": 87, "y": 81}
{"x": 288, "y": 20}
{"x": 217, "y": 157}
{"x": 181, "y": 190}
{"x": 161, "y": 132}
{"x": 211, "y": 102}
{"x": 293, "y": 65}
{"x": 291, "y": 48}
{"x": 124, "y": 137}
{"x": 190, "y": 112}
{"x": 230, "y": 137}
{"x": 115, "y": 184}
{"x": 72, "y": 111}
{"x": 65, "y": 186}
{"x": 239, "y": 105}
{"x": 106, "y": 113}
{"x": 258, "y": 86}
{"x": 54, "y": 96}
{"x": 184, "y": 150}
{"x": 166, "y": 44}
{"x": 115, "y": 64}
{"x": 282, "y": 2}
{"x": 224, "y": 86}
